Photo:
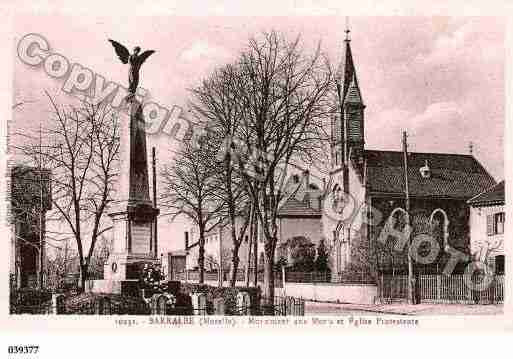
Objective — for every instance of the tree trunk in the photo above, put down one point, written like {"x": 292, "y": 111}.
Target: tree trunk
{"x": 268, "y": 291}
{"x": 83, "y": 277}
{"x": 248, "y": 259}
{"x": 201, "y": 255}
{"x": 235, "y": 265}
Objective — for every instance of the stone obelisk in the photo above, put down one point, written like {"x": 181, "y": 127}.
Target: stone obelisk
{"x": 133, "y": 214}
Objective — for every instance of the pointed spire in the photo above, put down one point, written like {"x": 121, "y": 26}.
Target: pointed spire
{"x": 346, "y": 73}
{"x": 353, "y": 92}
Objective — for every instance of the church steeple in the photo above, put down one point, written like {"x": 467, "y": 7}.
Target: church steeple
{"x": 348, "y": 138}
{"x": 349, "y": 70}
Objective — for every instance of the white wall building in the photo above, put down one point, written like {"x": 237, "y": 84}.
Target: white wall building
{"x": 487, "y": 219}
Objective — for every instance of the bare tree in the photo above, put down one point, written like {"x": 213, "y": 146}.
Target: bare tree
{"x": 215, "y": 103}
{"x": 81, "y": 152}
{"x": 286, "y": 100}
{"x": 190, "y": 189}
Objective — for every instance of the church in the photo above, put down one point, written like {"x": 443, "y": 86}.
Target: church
{"x": 439, "y": 184}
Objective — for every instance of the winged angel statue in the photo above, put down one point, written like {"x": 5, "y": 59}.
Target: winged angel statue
{"x": 135, "y": 60}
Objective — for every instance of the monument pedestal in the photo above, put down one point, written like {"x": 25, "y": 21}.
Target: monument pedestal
{"x": 134, "y": 242}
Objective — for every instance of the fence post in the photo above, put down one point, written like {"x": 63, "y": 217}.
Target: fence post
{"x": 290, "y": 306}
{"x": 199, "y": 303}
{"x": 438, "y": 287}
{"x": 57, "y": 303}
{"x": 470, "y": 292}
{"x": 381, "y": 288}
{"x": 219, "y": 307}
{"x": 243, "y": 303}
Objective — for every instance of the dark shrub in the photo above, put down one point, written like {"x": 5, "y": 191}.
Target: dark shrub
{"x": 86, "y": 303}
{"x": 30, "y": 301}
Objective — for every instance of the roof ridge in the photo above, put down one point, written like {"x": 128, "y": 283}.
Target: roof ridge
{"x": 424, "y": 153}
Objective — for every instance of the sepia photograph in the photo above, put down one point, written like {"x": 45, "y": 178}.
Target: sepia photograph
{"x": 291, "y": 171}
{"x": 257, "y": 167}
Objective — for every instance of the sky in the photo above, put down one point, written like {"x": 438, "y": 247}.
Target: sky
{"x": 441, "y": 79}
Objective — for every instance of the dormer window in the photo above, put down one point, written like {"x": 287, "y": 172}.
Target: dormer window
{"x": 425, "y": 171}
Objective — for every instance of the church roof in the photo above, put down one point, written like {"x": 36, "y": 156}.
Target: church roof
{"x": 492, "y": 196}
{"x": 452, "y": 175}
{"x": 298, "y": 209}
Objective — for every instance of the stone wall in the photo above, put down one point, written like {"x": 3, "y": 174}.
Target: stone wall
{"x": 333, "y": 292}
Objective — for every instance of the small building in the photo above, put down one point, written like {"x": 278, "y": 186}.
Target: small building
{"x": 218, "y": 247}
{"x": 30, "y": 199}
{"x": 487, "y": 219}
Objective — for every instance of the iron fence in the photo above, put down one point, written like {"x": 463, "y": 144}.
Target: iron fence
{"x": 281, "y": 306}
{"x": 438, "y": 288}
{"x": 307, "y": 277}
{"x": 193, "y": 276}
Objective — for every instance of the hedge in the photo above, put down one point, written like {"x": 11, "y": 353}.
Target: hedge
{"x": 29, "y": 301}
{"x": 120, "y": 304}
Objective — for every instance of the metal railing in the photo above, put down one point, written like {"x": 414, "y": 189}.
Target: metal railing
{"x": 280, "y": 306}
{"x": 308, "y": 277}
{"x": 193, "y": 276}
{"x": 437, "y": 288}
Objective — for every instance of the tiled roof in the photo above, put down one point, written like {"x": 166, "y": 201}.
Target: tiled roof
{"x": 294, "y": 208}
{"x": 493, "y": 195}
{"x": 452, "y": 175}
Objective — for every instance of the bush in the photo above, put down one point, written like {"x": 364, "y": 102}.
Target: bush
{"x": 229, "y": 294}
{"x": 120, "y": 304}
{"x": 29, "y": 301}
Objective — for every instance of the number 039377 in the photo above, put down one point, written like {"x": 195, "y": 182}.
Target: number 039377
{"x": 23, "y": 349}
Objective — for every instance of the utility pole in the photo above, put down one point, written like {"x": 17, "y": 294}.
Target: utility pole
{"x": 41, "y": 209}
{"x": 221, "y": 269}
{"x": 411, "y": 283}
{"x": 154, "y": 168}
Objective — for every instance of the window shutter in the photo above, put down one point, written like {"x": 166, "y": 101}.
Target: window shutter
{"x": 489, "y": 225}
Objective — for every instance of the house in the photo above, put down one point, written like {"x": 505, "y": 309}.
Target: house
{"x": 487, "y": 219}
{"x": 299, "y": 216}
{"x": 218, "y": 246}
